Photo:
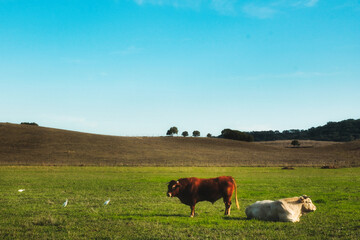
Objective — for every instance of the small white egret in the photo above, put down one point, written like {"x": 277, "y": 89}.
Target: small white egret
{"x": 21, "y": 190}
{"x": 65, "y": 203}
{"x": 106, "y": 202}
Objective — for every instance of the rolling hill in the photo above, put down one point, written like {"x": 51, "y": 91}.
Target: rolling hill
{"x": 34, "y": 145}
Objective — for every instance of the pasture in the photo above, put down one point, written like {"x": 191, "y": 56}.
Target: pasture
{"x": 139, "y": 208}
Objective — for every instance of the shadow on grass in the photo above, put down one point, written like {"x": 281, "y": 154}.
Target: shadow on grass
{"x": 235, "y": 218}
{"x": 144, "y": 215}
{"x": 170, "y": 215}
{"x": 165, "y": 215}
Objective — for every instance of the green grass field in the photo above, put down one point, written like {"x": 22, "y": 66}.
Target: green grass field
{"x": 139, "y": 208}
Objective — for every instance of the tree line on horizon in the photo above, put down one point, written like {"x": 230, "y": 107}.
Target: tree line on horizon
{"x": 226, "y": 133}
{"x": 174, "y": 130}
{"x": 343, "y": 131}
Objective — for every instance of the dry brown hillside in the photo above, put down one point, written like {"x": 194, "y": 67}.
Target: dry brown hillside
{"x": 32, "y": 145}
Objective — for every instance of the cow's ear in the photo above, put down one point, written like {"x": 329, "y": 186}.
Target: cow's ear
{"x": 301, "y": 199}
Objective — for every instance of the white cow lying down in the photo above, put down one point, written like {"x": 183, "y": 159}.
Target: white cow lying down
{"x": 284, "y": 210}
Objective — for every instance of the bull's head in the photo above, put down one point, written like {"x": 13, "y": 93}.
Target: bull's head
{"x": 173, "y": 188}
{"x": 307, "y": 205}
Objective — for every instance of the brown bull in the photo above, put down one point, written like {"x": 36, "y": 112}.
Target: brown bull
{"x": 193, "y": 190}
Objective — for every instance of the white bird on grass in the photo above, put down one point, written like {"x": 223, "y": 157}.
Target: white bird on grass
{"x": 106, "y": 202}
{"x": 21, "y": 190}
{"x": 65, "y": 203}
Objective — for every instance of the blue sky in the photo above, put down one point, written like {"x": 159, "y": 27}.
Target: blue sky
{"x": 139, "y": 67}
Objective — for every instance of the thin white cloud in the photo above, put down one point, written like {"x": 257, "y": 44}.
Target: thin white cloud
{"x": 305, "y": 3}
{"x": 224, "y": 6}
{"x": 220, "y": 6}
{"x": 73, "y": 60}
{"x": 273, "y": 8}
{"x": 256, "y": 127}
{"x": 261, "y": 12}
{"x": 127, "y": 51}
{"x": 255, "y": 9}
{"x": 311, "y": 3}
{"x": 352, "y": 4}
{"x": 59, "y": 120}
{"x": 291, "y": 75}
{"x": 173, "y": 3}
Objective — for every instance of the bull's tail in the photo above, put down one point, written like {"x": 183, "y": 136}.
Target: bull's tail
{"x": 236, "y": 198}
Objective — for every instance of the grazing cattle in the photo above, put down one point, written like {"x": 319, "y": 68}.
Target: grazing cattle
{"x": 284, "y": 210}
{"x": 193, "y": 190}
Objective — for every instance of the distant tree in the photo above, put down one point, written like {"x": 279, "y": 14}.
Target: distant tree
{"x": 30, "y": 123}
{"x": 236, "y": 135}
{"x": 172, "y": 131}
{"x": 209, "y": 135}
{"x": 295, "y": 143}
{"x": 185, "y": 134}
{"x": 196, "y": 133}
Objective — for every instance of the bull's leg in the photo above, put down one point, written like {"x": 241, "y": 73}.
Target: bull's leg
{"x": 227, "y": 207}
{"x": 227, "y": 199}
{"x": 192, "y": 207}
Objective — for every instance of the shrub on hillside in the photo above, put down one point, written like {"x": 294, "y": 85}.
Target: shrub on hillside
{"x": 295, "y": 143}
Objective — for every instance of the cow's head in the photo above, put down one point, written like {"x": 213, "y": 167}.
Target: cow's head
{"x": 307, "y": 205}
{"x": 173, "y": 188}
